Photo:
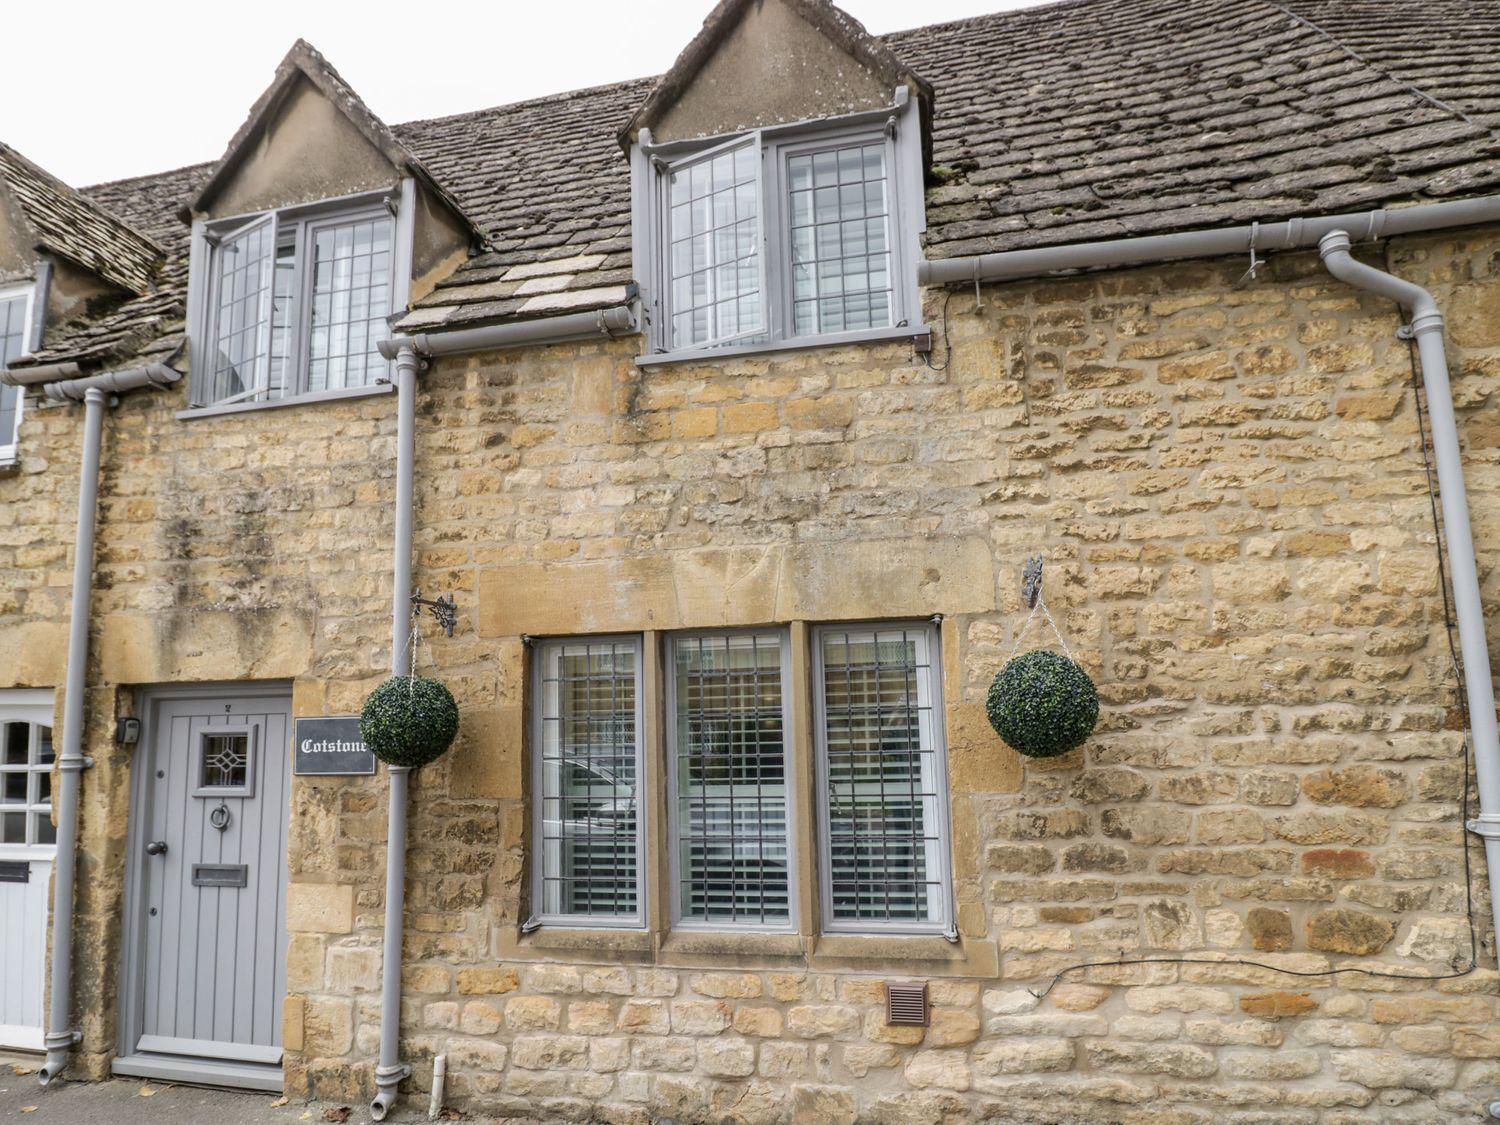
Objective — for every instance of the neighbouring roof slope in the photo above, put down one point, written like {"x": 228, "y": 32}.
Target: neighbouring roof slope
{"x": 1079, "y": 120}
{"x": 79, "y": 228}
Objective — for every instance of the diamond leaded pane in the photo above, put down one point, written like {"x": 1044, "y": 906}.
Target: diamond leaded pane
{"x": 225, "y": 760}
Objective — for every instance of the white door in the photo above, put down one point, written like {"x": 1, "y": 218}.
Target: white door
{"x": 27, "y": 847}
{"x": 208, "y": 833}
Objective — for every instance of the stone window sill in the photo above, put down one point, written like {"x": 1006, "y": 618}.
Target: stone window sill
{"x": 926, "y": 954}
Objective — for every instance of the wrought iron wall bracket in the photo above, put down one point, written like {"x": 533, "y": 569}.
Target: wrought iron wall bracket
{"x": 444, "y": 610}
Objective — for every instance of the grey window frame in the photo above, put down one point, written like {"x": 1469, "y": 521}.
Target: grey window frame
{"x": 900, "y": 124}
{"x": 10, "y": 444}
{"x": 251, "y": 731}
{"x": 793, "y": 829}
{"x": 203, "y": 282}
{"x": 945, "y": 924}
{"x": 643, "y": 881}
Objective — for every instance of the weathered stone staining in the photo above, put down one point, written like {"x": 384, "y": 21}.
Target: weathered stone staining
{"x": 1226, "y": 481}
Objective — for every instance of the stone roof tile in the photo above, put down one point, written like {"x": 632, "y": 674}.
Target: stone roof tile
{"x": 1074, "y": 121}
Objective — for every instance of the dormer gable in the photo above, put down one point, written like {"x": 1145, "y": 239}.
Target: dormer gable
{"x": 309, "y": 137}
{"x": 762, "y": 63}
{"x": 43, "y": 218}
{"x": 315, "y": 227}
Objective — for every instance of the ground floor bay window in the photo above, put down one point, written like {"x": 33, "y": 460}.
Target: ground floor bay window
{"x": 720, "y": 751}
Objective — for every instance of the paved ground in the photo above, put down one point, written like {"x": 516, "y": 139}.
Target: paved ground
{"x": 125, "y": 1102}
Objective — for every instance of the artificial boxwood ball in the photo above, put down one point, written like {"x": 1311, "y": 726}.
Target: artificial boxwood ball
{"x": 409, "y": 721}
{"x": 1042, "y": 704}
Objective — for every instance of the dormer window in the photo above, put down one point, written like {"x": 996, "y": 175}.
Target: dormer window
{"x": 15, "y": 335}
{"x": 789, "y": 236}
{"x": 293, "y": 303}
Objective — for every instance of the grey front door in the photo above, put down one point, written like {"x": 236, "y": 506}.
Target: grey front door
{"x": 209, "y": 830}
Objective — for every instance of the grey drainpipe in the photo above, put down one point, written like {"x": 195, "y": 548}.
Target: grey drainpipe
{"x": 407, "y": 352}
{"x": 1427, "y": 328}
{"x": 391, "y": 1070}
{"x": 95, "y": 392}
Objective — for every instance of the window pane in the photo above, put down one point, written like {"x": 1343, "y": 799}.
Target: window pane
{"x": 713, "y": 231}
{"x": 589, "y": 768}
{"x": 731, "y": 780}
{"x": 225, "y": 761}
{"x": 834, "y": 225}
{"x": 350, "y": 288}
{"x": 12, "y": 344}
{"x": 243, "y": 272}
{"x": 884, "y": 850}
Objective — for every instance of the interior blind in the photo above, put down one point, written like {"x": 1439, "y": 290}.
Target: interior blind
{"x": 731, "y": 779}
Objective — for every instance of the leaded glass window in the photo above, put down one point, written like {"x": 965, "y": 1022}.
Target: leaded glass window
{"x": 297, "y": 304}
{"x": 714, "y": 232}
{"x": 785, "y": 236}
{"x": 730, "y": 772}
{"x": 26, "y": 759}
{"x": 588, "y": 771}
{"x": 840, "y": 239}
{"x": 884, "y": 846}
{"x": 14, "y": 307}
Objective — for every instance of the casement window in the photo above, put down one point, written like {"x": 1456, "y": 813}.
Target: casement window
{"x": 26, "y": 758}
{"x": 293, "y": 303}
{"x": 587, "y": 854}
{"x": 787, "y": 237}
{"x": 15, "y": 340}
{"x": 727, "y": 759}
{"x": 881, "y": 779}
{"x": 731, "y": 760}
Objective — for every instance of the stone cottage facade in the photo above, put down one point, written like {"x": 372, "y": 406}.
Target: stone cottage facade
{"x": 734, "y": 505}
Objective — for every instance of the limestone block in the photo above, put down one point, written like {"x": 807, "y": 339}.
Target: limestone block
{"x": 488, "y": 758}
{"x": 325, "y": 908}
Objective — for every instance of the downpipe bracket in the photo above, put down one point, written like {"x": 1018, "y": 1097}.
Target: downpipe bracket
{"x": 387, "y": 1078}
{"x": 1486, "y": 825}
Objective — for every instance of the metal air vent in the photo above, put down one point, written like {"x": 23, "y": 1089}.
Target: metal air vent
{"x": 906, "y": 1003}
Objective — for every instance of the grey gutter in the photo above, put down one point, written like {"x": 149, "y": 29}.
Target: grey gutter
{"x": 617, "y": 320}
{"x": 1295, "y": 234}
{"x": 1427, "y": 328}
{"x": 95, "y": 392}
{"x": 390, "y": 1070}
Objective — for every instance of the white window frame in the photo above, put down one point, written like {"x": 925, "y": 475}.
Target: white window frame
{"x": 944, "y": 922}
{"x": 33, "y": 706}
{"x": 203, "y": 283}
{"x": 10, "y": 444}
{"x": 899, "y": 125}
{"x": 643, "y": 882}
{"x": 789, "y": 764}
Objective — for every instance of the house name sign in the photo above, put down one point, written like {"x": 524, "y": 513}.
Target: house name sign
{"x": 331, "y": 745}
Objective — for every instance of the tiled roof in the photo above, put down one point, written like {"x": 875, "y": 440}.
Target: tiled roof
{"x": 1076, "y": 121}
{"x": 77, "y": 227}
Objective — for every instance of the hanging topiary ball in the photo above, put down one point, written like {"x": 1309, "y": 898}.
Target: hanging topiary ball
{"x": 409, "y": 721}
{"x": 1042, "y": 704}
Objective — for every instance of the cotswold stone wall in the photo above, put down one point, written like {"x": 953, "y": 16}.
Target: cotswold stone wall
{"x": 1228, "y": 486}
